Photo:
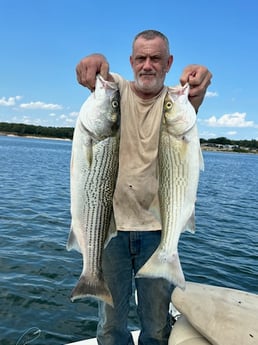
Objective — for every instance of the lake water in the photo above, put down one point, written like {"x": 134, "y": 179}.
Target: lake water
{"x": 37, "y": 274}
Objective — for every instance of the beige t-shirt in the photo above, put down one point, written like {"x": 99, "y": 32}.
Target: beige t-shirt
{"x": 136, "y": 204}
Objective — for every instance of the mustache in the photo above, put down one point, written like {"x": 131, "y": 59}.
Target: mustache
{"x": 146, "y": 73}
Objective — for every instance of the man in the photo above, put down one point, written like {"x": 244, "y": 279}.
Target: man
{"x": 136, "y": 204}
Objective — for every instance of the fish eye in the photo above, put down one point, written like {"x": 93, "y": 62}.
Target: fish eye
{"x": 114, "y": 104}
{"x": 169, "y": 105}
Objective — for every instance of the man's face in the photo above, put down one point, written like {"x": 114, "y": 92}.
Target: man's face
{"x": 150, "y": 62}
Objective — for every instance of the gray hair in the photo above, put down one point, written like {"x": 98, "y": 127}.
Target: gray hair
{"x": 151, "y": 34}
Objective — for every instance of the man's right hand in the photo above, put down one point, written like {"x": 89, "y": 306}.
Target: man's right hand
{"x": 89, "y": 67}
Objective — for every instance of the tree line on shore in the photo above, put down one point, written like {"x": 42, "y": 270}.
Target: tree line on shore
{"x": 22, "y": 129}
{"x": 237, "y": 144}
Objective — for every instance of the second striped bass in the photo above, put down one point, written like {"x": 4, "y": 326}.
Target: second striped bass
{"x": 180, "y": 161}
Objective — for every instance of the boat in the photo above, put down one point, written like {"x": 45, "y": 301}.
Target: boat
{"x": 93, "y": 341}
{"x": 209, "y": 315}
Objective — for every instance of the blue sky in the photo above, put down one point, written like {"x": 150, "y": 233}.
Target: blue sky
{"x": 43, "y": 40}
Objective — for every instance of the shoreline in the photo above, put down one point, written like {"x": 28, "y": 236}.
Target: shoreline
{"x": 32, "y": 136}
{"x": 224, "y": 150}
{"x": 204, "y": 147}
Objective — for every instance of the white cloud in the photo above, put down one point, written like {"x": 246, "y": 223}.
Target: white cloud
{"x": 40, "y": 105}
{"x": 70, "y": 121}
{"x": 74, "y": 113}
{"x": 207, "y": 135}
{"x": 232, "y": 133}
{"x": 210, "y": 94}
{"x": 9, "y": 102}
{"x": 230, "y": 120}
{"x": 26, "y": 119}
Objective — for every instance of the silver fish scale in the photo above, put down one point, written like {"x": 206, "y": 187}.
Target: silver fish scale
{"x": 99, "y": 189}
{"x": 173, "y": 171}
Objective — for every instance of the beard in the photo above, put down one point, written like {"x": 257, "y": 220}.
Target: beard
{"x": 149, "y": 82}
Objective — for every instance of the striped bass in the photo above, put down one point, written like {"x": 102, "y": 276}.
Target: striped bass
{"x": 94, "y": 165}
{"x": 180, "y": 161}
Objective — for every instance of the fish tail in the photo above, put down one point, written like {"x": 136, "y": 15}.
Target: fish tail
{"x": 160, "y": 265}
{"x": 96, "y": 288}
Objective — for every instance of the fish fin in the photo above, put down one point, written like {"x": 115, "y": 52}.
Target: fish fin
{"x": 161, "y": 265}
{"x": 190, "y": 225}
{"x": 112, "y": 232}
{"x": 72, "y": 242}
{"x": 88, "y": 154}
{"x": 92, "y": 287}
{"x": 201, "y": 160}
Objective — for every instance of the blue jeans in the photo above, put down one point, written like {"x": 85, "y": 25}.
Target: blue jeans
{"x": 123, "y": 257}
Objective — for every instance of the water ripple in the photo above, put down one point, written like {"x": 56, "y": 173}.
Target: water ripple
{"x": 38, "y": 274}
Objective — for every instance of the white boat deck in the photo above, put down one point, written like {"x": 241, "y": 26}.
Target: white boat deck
{"x": 94, "y": 341}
